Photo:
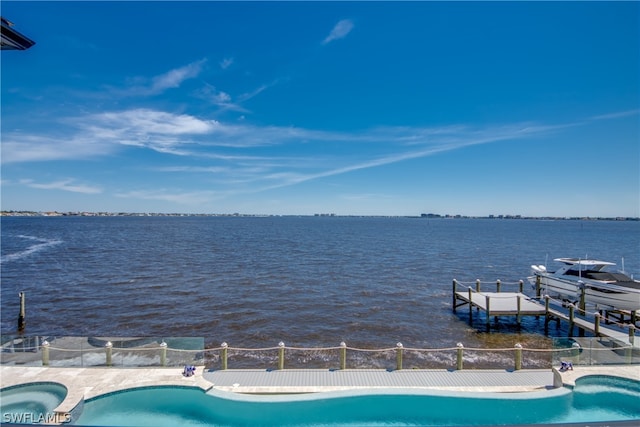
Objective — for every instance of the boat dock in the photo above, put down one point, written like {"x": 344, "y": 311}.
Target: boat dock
{"x": 496, "y": 303}
{"x": 519, "y": 304}
{"x": 500, "y": 303}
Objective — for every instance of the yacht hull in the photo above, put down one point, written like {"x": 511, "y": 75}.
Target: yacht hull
{"x": 605, "y": 295}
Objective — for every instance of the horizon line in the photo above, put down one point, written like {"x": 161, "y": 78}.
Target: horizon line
{"x": 47, "y": 213}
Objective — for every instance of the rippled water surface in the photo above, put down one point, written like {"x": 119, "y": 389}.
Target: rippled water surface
{"x": 309, "y": 281}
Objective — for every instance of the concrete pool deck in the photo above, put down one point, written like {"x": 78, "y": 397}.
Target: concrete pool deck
{"x": 86, "y": 383}
{"x": 625, "y": 371}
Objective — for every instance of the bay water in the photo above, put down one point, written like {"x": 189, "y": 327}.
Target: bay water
{"x": 307, "y": 281}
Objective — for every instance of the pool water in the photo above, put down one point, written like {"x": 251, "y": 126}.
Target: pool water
{"x": 29, "y": 403}
{"x": 592, "y": 400}
{"x": 596, "y": 395}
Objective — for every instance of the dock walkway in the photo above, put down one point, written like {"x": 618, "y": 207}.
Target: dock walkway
{"x": 621, "y": 337}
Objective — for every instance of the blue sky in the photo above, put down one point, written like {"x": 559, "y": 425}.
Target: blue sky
{"x": 361, "y": 108}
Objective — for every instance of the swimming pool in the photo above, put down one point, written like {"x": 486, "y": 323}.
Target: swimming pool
{"x": 593, "y": 399}
{"x": 31, "y": 403}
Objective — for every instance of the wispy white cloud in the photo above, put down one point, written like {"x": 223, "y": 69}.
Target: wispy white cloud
{"x": 246, "y": 157}
{"x": 183, "y": 134}
{"x": 145, "y": 121}
{"x": 142, "y": 86}
{"x": 364, "y": 197}
{"x": 101, "y": 134}
{"x": 221, "y": 99}
{"x": 175, "y": 77}
{"x": 339, "y": 31}
{"x": 18, "y": 147}
{"x": 64, "y": 185}
{"x": 193, "y": 169}
{"x": 248, "y": 95}
{"x": 194, "y": 198}
{"x": 226, "y": 102}
{"x": 226, "y": 63}
{"x": 616, "y": 115}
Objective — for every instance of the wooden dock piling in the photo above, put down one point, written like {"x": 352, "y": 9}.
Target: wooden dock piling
{"x": 572, "y": 309}
{"x": 22, "y": 315}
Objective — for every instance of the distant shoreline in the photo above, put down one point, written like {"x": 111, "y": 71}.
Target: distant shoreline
{"x": 421, "y": 216}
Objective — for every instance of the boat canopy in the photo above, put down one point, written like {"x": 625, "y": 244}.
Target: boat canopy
{"x": 574, "y": 261}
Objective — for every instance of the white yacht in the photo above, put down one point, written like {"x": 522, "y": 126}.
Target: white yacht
{"x": 607, "y": 290}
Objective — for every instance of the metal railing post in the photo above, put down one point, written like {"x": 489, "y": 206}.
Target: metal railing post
{"x": 629, "y": 350}
{"x": 518, "y": 347}
{"x": 459, "y": 356}
{"x": 399, "y": 349}
{"x": 575, "y": 352}
{"x": 224, "y": 347}
{"x": 108, "y": 348}
{"x": 163, "y": 353}
{"x": 45, "y": 353}
{"x": 281, "y": 355}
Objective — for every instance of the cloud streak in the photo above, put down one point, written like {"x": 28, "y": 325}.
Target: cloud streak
{"x": 65, "y": 185}
{"x": 226, "y": 63}
{"x": 20, "y": 148}
{"x": 616, "y": 115}
{"x": 244, "y": 157}
{"x": 174, "y": 78}
{"x": 339, "y": 31}
{"x": 159, "y": 84}
{"x": 194, "y": 198}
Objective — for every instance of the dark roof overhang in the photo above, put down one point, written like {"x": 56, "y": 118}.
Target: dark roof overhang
{"x": 12, "y": 39}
